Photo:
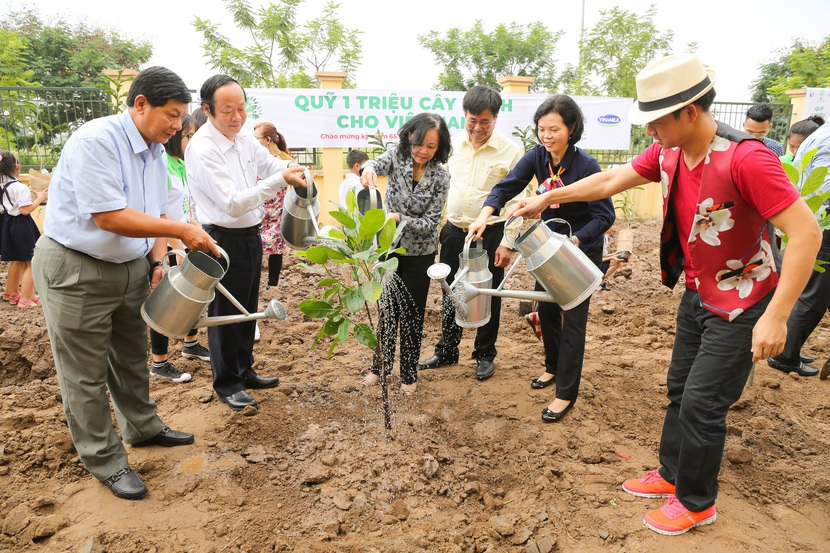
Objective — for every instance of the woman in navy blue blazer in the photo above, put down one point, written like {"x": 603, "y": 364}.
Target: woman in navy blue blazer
{"x": 555, "y": 162}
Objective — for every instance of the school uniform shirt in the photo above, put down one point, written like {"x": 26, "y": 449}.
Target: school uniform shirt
{"x": 223, "y": 177}
{"x": 106, "y": 165}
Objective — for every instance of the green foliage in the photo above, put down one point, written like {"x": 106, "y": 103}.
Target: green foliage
{"x": 378, "y": 144}
{"x": 614, "y": 51}
{"x": 353, "y": 263}
{"x": 13, "y": 71}
{"x": 480, "y": 57}
{"x": 114, "y": 87}
{"x": 527, "y": 137}
{"x": 281, "y": 53}
{"x": 625, "y": 203}
{"x": 61, "y": 54}
{"x": 808, "y": 186}
{"x": 801, "y": 66}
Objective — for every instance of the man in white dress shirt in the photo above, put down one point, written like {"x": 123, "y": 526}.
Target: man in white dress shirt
{"x": 223, "y": 164}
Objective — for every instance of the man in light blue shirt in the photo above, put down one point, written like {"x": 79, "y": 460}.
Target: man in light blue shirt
{"x": 96, "y": 262}
{"x": 814, "y": 301}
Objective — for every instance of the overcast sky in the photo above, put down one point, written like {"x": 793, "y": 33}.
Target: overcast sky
{"x": 734, "y": 37}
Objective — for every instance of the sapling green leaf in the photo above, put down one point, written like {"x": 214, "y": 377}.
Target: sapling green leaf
{"x": 365, "y": 334}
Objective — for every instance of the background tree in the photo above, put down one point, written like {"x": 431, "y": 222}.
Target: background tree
{"x": 801, "y": 66}
{"x": 282, "y": 52}
{"x": 479, "y": 57}
{"x": 55, "y": 53}
{"x": 63, "y": 54}
{"x": 612, "y": 53}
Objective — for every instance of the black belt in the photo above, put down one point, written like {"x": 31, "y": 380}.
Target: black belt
{"x": 246, "y": 231}
{"x": 465, "y": 229}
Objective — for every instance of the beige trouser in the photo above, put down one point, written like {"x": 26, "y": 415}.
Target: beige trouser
{"x": 99, "y": 342}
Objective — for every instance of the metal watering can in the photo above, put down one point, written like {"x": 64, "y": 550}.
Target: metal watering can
{"x": 368, "y": 198}
{"x": 178, "y": 302}
{"x": 566, "y": 274}
{"x": 301, "y": 208}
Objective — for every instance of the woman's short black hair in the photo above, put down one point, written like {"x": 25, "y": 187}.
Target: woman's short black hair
{"x": 414, "y": 131}
{"x": 174, "y": 145}
{"x": 567, "y": 109}
{"x": 159, "y": 85}
{"x": 213, "y": 84}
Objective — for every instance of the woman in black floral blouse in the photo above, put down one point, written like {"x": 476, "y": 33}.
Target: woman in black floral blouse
{"x": 415, "y": 195}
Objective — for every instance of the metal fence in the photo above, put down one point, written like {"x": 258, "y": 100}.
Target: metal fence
{"x": 35, "y": 122}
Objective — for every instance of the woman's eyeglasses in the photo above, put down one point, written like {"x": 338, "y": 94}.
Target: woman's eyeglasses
{"x": 188, "y": 135}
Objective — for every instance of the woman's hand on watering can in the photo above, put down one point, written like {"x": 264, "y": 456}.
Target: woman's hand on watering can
{"x": 530, "y": 207}
{"x": 368, "y": 177}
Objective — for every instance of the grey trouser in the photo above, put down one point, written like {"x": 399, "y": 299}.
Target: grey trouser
{"x": 99, "y": 342}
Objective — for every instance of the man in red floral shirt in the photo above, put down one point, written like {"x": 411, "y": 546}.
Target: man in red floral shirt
{"x": 722, "y": 192}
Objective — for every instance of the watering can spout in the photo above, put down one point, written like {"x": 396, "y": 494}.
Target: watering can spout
{"x": 275, "y": 310}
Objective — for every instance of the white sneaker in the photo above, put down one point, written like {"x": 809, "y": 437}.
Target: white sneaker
{"x": 256, "y": 332}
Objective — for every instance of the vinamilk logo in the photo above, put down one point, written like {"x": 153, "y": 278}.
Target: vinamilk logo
{"x": 253, "y": 107}
{"x": 609, "y": 120}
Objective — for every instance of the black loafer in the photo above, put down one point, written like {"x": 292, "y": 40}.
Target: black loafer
{"x": 126, "y": 484}
{"x": 537, "y": 384}
{"x": 806, "y": 359}
{"x": 550, "y": 416}
{"x": 484, "y": 369}
{"x": 437, "y": 361}
{"x": 262, "y": 382}
{"x": 239, "y": 400}
{"x": 167, "y": 438}
{"x": 801, "y": 368}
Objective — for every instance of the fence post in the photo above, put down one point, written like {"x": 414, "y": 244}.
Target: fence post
{"x": 332, "y": 157}
{"x": 797, "y": 98}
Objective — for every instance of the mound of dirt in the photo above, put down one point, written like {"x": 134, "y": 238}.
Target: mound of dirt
{"x": 468, "y": 466}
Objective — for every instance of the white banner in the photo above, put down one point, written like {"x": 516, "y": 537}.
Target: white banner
{"x": 816, "y": 102}
{"x": 320, "y": 118}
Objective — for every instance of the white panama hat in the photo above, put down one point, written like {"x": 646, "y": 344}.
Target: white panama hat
{"x": 668, "y": 84}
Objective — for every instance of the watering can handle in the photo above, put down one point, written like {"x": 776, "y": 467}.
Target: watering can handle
{"x": 466, "y": 251}
{"x": 558, "y": 220}
{"x": 166, "y": 258}
{"x": 373, "y": 197}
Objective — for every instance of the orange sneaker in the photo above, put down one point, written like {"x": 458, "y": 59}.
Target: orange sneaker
{"x": 673, "y": 519}
{"x": 651, "y": 485}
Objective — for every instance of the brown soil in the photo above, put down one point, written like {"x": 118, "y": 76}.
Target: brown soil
{"x": 468, "y": 467}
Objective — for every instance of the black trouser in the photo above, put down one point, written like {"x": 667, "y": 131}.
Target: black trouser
{"x": 404, "y": 312}
{"x": 452, "y": 244}
{"x": 563, "y": 335}
{"x": 710, "y": 364}
{"x": 810, "y": 308}
{"x": 274, "y": 268}
{"x": 231, "y": 346}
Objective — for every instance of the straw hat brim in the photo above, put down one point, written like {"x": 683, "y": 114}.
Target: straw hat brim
{"x": 636, "y": 116}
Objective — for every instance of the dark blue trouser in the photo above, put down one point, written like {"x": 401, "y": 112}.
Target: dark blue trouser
{"x": 710, "y": 364}
{"x": 810, "y": 308}
{"x": 231, "y": 346}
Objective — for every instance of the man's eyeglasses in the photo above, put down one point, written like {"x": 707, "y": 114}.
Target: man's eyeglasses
{"x": 758, "y": 134}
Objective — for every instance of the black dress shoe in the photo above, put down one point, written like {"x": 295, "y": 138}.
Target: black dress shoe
{"x": 537, "y": 384}
{"x": 801, "y": 368}
{"x": 167, "y": 438}
{"x": 806, "y": 359}
{"x": 484, "y": 369}
{"x": 437, "y": 361}
{"x": 550, "y": 416}
{"x": 126, "y": 484}
{"x": 239, "y": 400}
{"x": 262, "y": 382}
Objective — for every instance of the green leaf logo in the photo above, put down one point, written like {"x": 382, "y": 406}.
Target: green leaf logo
{"x": 253, "y": 107}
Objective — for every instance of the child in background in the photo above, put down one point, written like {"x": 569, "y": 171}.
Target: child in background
{"x": 354, "y": 159}
{"x": 18, "y": 232}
